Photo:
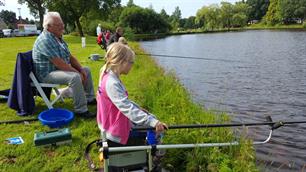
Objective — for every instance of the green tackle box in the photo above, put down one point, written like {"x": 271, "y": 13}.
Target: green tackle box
{"x": 55, "y": 137}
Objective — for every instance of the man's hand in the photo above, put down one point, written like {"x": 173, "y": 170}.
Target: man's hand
{"x": 83, "y": 76}
{"x": 62, "y": 65}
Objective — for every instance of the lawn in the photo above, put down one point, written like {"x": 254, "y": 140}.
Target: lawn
{"x": 148, "y": 85}
{"x": 27, "y": 157}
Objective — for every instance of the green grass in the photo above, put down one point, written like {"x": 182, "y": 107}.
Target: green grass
{"x": 151, "y": 87}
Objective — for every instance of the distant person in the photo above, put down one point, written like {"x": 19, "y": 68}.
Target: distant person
{"x": 53, "y": 63}
{"x": 115, "y": 37}
{"x": 99, "y": 29}
{"x": 116, "y": 113}
{"x": 107, "y": 35}
{"x": 101, "y": 41}
{"x": 122, "y": 40}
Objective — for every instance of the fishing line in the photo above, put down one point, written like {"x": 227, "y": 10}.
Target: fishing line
{"x": 190, "y": 57}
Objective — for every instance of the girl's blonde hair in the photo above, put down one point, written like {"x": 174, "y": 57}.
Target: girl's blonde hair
{"x": 116, "y": 54}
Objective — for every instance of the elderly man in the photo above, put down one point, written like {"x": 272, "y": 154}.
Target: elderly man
{"x": 53, "y": 63}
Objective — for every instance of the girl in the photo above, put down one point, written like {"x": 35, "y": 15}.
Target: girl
{"x": 115, "y": 112}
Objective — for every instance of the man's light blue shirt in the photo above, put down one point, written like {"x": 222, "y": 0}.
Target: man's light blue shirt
{"x": 46, "y": 47}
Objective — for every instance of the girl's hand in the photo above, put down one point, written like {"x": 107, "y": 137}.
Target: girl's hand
{"x": 160, "y": 127}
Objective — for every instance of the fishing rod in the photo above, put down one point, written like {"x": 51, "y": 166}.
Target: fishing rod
{"x": 188, "y": 57}
{"x": 19, "y": 121}
{"x": 269, "y": 122}
{"x": 106, "y": 150}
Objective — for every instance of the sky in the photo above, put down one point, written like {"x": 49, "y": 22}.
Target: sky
{"x": 187, "y": 7}
{"x": 12, "y": 5}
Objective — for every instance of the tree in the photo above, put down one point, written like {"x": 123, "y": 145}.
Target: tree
{"x": 114, "y": 15}
{"x": 176, "y": 17}
{"x": 72, "y": 10}
{"x": 37, "y": 8}
{"x": 241, "y": 7}
{"x": 164, "y": 15}
{"x": 189, "y": 23}
{"x": 239, "y": 20}
{"x": 200, "y": 16}
{"x": 273, "y": 15}
{"x": 258, "y": 9}
{"x": 226, "y": 14}
{"x": 208, "y": 17}
{"x": 130, "y": 3}
{"x": 9, "y": 18}
{"x": 177, "y": 14}
{"x": 290, "y": 9}
{"x": 142, "y": 20}
{"x": 240, "y": 16}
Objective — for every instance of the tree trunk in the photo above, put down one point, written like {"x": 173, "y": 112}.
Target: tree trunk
{"x": 41, "y": 12}
{"x": 228, "y": 24}
{"x": 77, "y": 21}
{"x": 41, "y": 18}
{"x": 37, "y": 6}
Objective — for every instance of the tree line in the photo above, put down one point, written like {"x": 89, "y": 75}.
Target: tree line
{"x": 82, "y": 16}
{"x": 242, "y": 13}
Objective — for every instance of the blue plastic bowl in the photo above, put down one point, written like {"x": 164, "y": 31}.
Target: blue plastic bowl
{"x": 55, "y": 118}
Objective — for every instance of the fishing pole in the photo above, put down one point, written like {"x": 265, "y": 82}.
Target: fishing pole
{"x": 188, "y": 57}
{"x": 152, "y": 148}
{"x": 269, "y": 122}
{"x": 19, "y": 121}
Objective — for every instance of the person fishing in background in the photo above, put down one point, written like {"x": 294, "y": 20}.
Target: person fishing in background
{"x": 99, "y": 29}
{"x": 107, "y": 35}
{"x": 115, "y": 37}
{"x": 116, "y": 113}
{"x": 101, "y": 41}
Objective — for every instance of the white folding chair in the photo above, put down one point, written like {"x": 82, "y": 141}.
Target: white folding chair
{"x": 39, "y": 87}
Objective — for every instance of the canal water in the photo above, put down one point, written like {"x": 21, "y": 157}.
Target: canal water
{"x": 250, "y": 75}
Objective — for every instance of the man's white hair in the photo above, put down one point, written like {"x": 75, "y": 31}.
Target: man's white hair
{"x": 49, "y": 17}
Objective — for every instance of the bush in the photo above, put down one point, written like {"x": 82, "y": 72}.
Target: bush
{"x": 129, "y": 34}
{"x": 75, "y": 34}
{"x": 143, "y": 20}
{"x": 304, "y": 24}
{"x": 89, "y": 27}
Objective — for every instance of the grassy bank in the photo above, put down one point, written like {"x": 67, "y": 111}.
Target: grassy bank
{"x": 151, "y": 87}
{"x": 278, "y": 26}
{"x": 258, "y": 26}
